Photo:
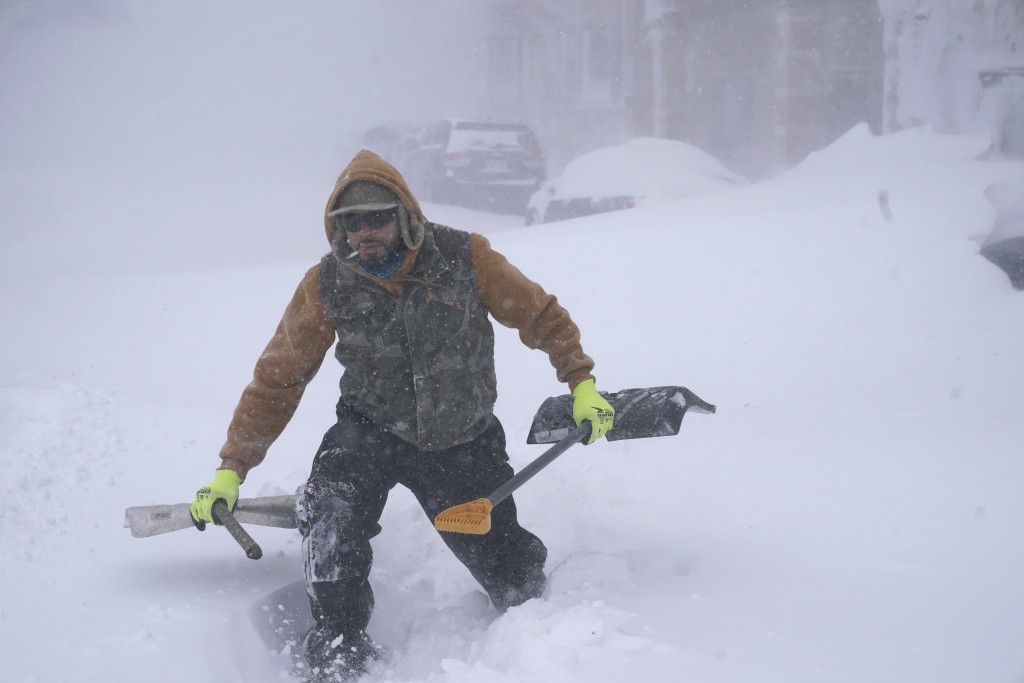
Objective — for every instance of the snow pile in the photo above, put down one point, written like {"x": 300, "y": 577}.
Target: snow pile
{"x": 1008, "y": 200}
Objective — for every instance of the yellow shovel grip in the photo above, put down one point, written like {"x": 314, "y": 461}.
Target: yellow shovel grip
{"x": 467, "y": 518}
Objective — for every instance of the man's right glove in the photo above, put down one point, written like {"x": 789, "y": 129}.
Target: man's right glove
{"x": 589, "y": 405}
{"x": 223, "y": 487}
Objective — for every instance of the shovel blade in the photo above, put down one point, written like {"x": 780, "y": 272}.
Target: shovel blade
{"x": 150, "y": 520}
{"x": 466, "y": 518}
{"x": 639, "y": 414}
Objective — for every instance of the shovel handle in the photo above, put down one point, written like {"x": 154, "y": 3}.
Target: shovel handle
{"x": 575, "y": 436}
{"x": 222, "y": 515}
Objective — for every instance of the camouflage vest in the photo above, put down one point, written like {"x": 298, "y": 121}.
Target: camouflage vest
{"x": 420, "y": 365}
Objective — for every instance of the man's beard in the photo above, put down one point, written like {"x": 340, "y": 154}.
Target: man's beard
{"x": 388, "y": 253}
{"x": 344, "y": 250}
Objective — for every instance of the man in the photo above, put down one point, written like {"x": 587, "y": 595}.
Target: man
{"x": 406, "y": 304}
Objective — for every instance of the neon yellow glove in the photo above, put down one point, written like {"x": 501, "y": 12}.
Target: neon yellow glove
{"x": 589, "y": 405}
{"x": 224, "y": 486}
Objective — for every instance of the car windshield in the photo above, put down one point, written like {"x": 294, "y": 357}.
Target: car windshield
{"x": 468, "y": 137}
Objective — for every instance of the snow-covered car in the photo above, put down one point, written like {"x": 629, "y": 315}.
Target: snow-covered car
{"x": 461, "y": 161}
{"x": 1004, "y": 246}
{"x": 640, "y": 172}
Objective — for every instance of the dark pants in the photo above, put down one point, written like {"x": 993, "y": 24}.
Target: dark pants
{"x": 356, "y": 466}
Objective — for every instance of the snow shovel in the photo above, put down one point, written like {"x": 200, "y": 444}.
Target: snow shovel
{"x": 277, "y": 511}
{"x": 639, "y": 413}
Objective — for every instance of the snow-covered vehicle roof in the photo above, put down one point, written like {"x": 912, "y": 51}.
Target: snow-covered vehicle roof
{"x": 651, "y": 169}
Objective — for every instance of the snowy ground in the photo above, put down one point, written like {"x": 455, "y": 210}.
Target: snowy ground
{"x": 852, "y": 513}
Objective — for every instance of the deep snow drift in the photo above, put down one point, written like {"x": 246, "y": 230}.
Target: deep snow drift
{"x": 852, "y": 513}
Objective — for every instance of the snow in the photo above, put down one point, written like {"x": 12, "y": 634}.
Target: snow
{"x": 1008, "y": 200}
{"x": 852, "y": 512}
{"x": 849, "y": 514}
{"x": 658, "y": 170}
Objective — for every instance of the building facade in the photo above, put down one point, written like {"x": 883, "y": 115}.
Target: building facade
{"x": 757, "y": 83}
{"x": 958, "y": 66}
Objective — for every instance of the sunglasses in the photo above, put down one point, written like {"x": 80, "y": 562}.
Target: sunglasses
{"x": 375, "y": 220}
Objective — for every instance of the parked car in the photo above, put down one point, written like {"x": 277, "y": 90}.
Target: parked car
{"x": 642, "y": 171}
{"x": 475, "y": 163}
{"x": 1004, "y": 246}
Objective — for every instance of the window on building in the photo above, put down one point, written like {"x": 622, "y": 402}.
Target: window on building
{"x": 603, "y": 64}
{"x": 591, "y": 64}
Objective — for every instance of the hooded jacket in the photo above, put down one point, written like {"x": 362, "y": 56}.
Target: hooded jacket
{"x": 306, "y": 331}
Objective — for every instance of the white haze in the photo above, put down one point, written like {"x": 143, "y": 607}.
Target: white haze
{"x": 851, "y": 514}
{"x": 191, "y": 106}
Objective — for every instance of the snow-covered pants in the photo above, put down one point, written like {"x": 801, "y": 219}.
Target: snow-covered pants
{"x": 341, "y": 504}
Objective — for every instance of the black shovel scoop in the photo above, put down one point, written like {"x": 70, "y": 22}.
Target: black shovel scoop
{"x": 639, "y": 413}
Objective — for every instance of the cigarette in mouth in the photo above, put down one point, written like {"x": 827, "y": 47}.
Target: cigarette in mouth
{"x": 354, "y": 253}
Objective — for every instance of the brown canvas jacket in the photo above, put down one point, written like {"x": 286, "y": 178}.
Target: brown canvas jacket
{"x": 306, "y": 333}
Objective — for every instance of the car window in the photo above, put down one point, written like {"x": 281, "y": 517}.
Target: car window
{"x": 477, "y": 136}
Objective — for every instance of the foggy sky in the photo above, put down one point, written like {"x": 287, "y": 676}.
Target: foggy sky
{"x": 105, "y": 97}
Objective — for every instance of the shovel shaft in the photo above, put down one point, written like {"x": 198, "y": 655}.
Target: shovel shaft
{"x": 224, "y": 517}
{"x": 574, "y": 436}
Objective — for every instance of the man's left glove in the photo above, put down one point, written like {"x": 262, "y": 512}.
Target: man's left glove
{"x": 589, "y": 405}
{"x": 224, "y": 486}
